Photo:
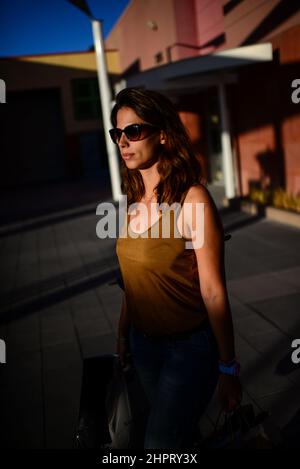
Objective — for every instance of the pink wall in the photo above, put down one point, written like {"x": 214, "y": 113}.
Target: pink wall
{"x": 189, "y": 22}
{"x": 288, "y": 44}
{"x": 186, "y": 30}
{"x": 197, "y": 23}
{"x": 245, "y": 18}
{"x": 135, "y": 40}
{"x": 291, "y": 145}
{"x": 267, "y": 121}
{"x": 210, "y": 22}
{"x": 255, "y": 142}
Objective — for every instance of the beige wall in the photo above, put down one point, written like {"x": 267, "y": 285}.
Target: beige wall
{"x": 56, "y": 71}
{"x": 76, "y": 60}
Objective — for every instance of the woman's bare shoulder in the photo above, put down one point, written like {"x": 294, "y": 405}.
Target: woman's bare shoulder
{"x": 198, "y": 193}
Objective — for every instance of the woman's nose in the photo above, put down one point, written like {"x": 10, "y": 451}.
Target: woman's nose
{"x": 123, "y": 140}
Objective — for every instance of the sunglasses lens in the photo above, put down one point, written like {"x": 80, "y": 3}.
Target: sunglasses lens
{"x": 133, "y": 132}
{"x": 115, "y": 135}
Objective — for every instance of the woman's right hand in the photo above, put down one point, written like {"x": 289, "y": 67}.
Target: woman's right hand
{"x": 123, "y": 350}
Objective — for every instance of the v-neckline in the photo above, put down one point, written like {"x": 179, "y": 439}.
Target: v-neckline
{"x": 151, "y": 226}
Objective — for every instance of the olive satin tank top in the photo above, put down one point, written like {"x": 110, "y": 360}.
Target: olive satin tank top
{"x": 161, "y": 280}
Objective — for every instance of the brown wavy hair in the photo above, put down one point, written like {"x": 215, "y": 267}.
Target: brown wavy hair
{"x": 178, "y": 166}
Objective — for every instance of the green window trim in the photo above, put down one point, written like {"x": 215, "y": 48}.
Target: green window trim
{"x": 86, "y": 99}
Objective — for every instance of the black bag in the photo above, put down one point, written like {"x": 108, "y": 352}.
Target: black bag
{"x": 127, "y": 409}
{"x": 91, "y": 429}
{"x": 113, "y": 408}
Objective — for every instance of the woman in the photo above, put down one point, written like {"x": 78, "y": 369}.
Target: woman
{"x": 175, "y": 317}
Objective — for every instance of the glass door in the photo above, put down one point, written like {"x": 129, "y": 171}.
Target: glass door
{"x": 213, "y": 132}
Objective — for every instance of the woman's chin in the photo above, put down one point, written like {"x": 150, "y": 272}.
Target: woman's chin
{"x": 131, "y": 164}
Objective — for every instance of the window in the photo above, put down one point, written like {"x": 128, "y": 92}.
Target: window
{"x": 86, "y": 100}
{"x": 159, "y": 57}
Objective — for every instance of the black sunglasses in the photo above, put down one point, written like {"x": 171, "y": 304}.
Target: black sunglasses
{"x": 133, "y": 132}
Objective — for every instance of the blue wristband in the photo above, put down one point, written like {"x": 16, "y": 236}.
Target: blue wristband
{"x": 233, "y": 368}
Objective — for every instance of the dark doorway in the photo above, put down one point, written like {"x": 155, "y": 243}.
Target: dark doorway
{"x": 31, "y": 138}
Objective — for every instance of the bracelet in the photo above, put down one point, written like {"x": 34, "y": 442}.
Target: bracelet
{"x": 228, "y": 363}
{"x": 232, "y": 368}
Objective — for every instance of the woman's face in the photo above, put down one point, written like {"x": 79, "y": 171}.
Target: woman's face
{"x": 143, "y": 153}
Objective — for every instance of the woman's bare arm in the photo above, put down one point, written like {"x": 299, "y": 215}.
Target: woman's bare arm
{"x": 210, "y": 261}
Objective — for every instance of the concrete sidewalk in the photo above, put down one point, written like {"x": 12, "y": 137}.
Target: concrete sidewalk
{"x": 59, "y": 305}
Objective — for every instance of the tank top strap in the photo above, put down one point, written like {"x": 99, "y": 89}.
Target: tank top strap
{"x": 169, "y": 218}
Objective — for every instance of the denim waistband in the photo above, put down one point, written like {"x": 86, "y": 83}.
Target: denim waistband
{"x": 184, "y": 335}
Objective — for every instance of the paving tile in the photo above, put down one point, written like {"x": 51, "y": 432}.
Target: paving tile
{"x": 62, "y": 371}
{"x": 251, "y": 326}
{"x": 272, "y": 340}
{"x": 283, "y": 406}
{"x": 279, "y": 234}
{"x": 282, "y": 311}
{"x": 239, "y": 266}
{"x": 278, "y": 359}
{"x": 22, "y": 401}
{"x": 89, "y": 328}
{"x": 56, "y": 310}
{"x": 262, "y": 264}
{"x": 27, "y": 275}
{"x": 23, "y": 335}
{"x": 239, "y": 310}
{"x": 85, "y": 300}
{"x": 7, "y": 272}
{"x": 3, "y": 332}
{"x": 98, "y": 345}
{"x": 50, "y": 283}
{"x": 291, "y": 276}
{"x": 260, "y": 287}
{"x": 89, "y": 313}
{"x": 57, "y": 329}
{"x": 258, "y": 374}
{"x": 247, "y": 355}
{"x": 28, "y": 249}
{"x": 282, "y": 260}
{"x": 50, "y": 268}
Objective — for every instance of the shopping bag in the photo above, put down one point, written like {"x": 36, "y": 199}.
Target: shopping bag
{"x": 127, "y": 409}
{"x": 91, "y": 429}
{"x": 240, "y": 429}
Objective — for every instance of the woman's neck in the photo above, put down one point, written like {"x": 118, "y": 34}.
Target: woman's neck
{"x": 151, "y": 179}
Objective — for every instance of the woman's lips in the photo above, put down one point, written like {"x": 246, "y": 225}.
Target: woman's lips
{"x": 127, "y": 156}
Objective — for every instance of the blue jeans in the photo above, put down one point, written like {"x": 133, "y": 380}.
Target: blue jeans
{"x": 179, "y": 376}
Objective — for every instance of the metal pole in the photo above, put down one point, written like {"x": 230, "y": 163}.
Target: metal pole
{"x": 226, "y": 145}
{"x": 106, "y": 103}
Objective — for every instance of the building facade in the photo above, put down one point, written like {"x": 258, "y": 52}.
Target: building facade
{"x": 229, "y": 65}
{"x": 51, "y": 125}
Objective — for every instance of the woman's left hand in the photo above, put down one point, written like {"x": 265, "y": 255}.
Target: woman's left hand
{"x": 229, "y": 392}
